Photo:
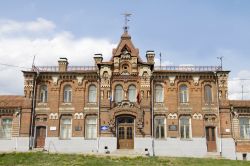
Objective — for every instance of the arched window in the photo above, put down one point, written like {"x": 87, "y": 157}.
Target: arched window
{"x": 43, "y": 94}
{"x": 65, "y": 128}
{"x": 67, "y": 94}
{"x": 160, "y": 127}
{"x": 92, "y": 94}
{"x": 185, "y": 127}
{"x": 118, "y": 93}
{"x": 183, "y": 94}
{"x": 132, "y": 93}
{"x": 91, "y": 127}
{"x": 208, "y": 94}
{"x": 159, "y": 94}
{"x": 5, "y": 128}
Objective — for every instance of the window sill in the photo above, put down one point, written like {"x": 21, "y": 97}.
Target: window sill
{"x": 90, "y": 139}
{"x": 64, "y": 139}
{"x": 42, "y": 104}
{"x": 66, "y": 103}
{"x": 186, "y": 139}
{"x": 5, "y": 139}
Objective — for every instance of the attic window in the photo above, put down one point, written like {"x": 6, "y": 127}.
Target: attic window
{"x": 125, "y": 67}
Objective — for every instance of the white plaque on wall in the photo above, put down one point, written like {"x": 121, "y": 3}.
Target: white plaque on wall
{"x": 228, "y": 130}
{"x": 52, "y": 128}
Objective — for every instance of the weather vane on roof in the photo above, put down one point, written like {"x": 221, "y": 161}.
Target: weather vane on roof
{"x": 126, "y": 20}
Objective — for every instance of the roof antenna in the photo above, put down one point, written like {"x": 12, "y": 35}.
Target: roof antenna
{"x": 160, "y": 60}
{"x": 33, "y": 62}
{"x": 221, "y": 61}
{"x": 126, "y": 20}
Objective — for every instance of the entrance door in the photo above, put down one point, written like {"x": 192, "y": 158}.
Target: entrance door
{"x": 125, "y": 133}
{"x": 211, "y": 139}
{"x": 40, "y": 136}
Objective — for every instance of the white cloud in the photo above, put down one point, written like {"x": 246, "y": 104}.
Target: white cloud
{"x": 19, "y": 50}
{"x": 240, "y": 84}
{"x": 39, "y": 25}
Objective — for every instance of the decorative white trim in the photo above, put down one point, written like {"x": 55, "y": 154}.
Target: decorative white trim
{"x": 197, "y": 116}
{"x": 172, "y": 116}
{"x": 196, "y": 80}
{"x": 53, "y": 116}
{"x": 171, "y": 80}
{"x": 78, "y": 116}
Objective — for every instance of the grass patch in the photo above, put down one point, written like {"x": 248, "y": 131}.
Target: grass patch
{"x": 45, "y": 159}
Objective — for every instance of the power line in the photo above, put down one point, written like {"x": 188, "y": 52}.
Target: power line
{"x": 4, "y": 64}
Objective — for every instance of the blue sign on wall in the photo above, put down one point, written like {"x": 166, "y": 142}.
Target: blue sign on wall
{"x": 104, "y": 128}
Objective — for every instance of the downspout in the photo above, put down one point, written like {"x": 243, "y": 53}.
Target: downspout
{"x": 99, "y": 107}
{"x": 218, "y": 102}
{"x": 152, "y": 115}
{"x": 31, "y": 139}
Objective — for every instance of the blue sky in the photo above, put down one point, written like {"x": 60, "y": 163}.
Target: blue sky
{"x": 185, "y": 31}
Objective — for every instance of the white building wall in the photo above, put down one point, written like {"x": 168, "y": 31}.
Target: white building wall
{"x": 20, "y": 144}
{"x": 73, "y": 145}
{"x": 228, "y": 148}
{"x": 196, "y": 147}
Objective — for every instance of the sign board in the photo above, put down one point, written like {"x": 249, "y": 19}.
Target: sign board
{"x": 172, "y": 127}
{"x": 52, "y": 128}
{"x": 104, "y": 128}
{"x": 228, "y": 130}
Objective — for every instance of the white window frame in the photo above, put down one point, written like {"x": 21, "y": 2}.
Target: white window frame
{"x": 91, "y": 128}
{"x": 92, "y": 94}
{"x": 44, "y": 94}
{"x": 118, "y": 97}
{"x": 183, "y": 94}
{"x": 245, "y": 127}
{"x": 185, "y": 132}
{"x": 159, "y": 93}
{"x": 68, "y": 128}
{"x": 130, "y": 97}
{"x": 162, "y": 125}
{"x": 67, "y": 94}
{"x": 6, "y": 133}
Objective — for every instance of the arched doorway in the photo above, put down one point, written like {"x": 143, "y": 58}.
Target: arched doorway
{"x": 125, "y": 132}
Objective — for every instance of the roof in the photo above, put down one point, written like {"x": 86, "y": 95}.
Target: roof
{"x": 12, "y": 101}
{"x": 240, "y": 103}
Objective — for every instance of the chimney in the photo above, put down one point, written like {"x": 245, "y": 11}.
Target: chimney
{"x": 63, "y": 64}
{"x": 150, "y": 55}
{"x": 98, "y": 58}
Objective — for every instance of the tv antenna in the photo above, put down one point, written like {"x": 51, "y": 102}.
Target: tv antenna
{"x": 126, "y": 20}
{"x": 221, "y": 61}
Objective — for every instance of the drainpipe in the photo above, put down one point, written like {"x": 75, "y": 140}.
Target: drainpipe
{"x": 152, "y": 114}
{"x": 99, "y": 107}
{"x": 32, "y": 117}
{"x": 218, "y": 102}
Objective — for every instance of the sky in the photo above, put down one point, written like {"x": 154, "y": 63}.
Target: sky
{"x": 185, "y": 32}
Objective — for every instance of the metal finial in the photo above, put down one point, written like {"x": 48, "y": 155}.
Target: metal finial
{"x": 126, "y": 20}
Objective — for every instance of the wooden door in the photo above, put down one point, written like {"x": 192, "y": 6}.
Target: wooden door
{"x": 126, "y": 136}
{"x": 211, "y": 139}
{"x": 40, "y": 136}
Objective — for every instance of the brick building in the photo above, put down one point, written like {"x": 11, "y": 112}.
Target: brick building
{"x": 126, "y": 103}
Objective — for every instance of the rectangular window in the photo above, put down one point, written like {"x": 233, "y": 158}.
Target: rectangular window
{"x": 185, "y": 128}
{"x": 5, "y": 128}
{"x": 65, "y": 128}
{"x": 244, "y": 127}
{"x": 159, "y": 127}
{"x": 91, "y": 128}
